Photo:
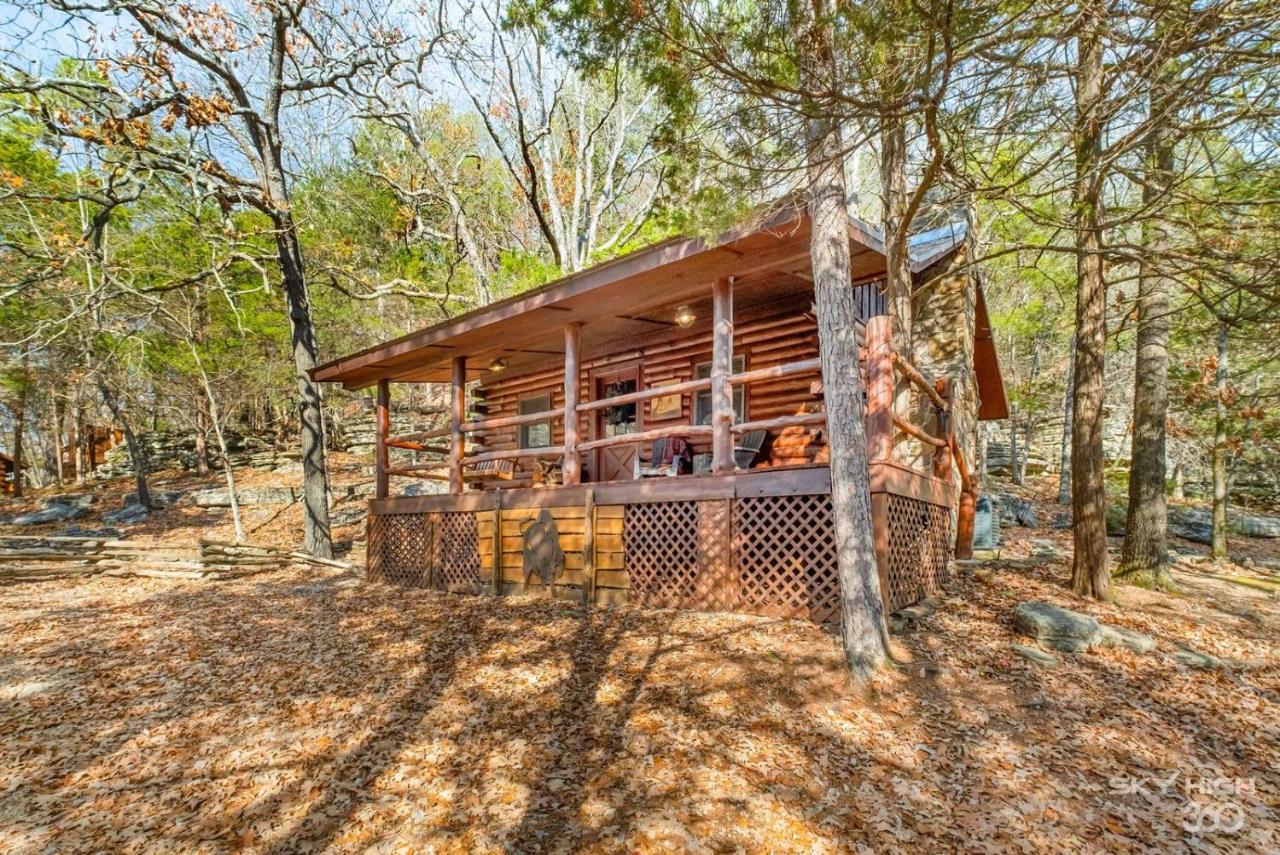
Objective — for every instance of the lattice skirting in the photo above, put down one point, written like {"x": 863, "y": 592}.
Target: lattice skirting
{"x": 919, "y": 544}
{"x": 436, "y": 550}
{"x": 771, "y": 555}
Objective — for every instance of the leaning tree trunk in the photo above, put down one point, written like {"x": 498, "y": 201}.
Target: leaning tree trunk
{"x": 137, "y": 455}
{"x": 1145, "y": 552}
{"x": 1218, "y": 538}
{"x": 1068, "y": 410}
{"x": 1089, "y": 573}
{"x": 863, "y": 629}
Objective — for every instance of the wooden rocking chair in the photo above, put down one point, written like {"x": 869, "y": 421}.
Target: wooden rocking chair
{"x": 654, "y": 467}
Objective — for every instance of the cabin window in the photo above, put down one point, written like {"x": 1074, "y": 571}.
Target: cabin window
{"x": 538, "y": 434}
{"x": 702, "y": 400}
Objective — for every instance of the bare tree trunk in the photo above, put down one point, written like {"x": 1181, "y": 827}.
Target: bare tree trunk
{"x": 1179, "y": 482}
{"x": 19, "y": 427}
{"x": 1089, "y": 572}
{"x": 893, "y": 178}
{"x": 202, "y": 437}
{"x": 77, "y": 441}
{"x": 1015, "y": 471}
{"x": 863, "y": 629}
{"x": 1145, "y": 553}
{"x": 137, "y": 454}
{"x": 1068, "y": 410}
{"x": 1218, "y": 546}
{"x": 59, "y": 420}
{"x": 212, "y": 403}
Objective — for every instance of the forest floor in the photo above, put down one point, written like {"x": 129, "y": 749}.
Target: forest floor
{"x": 308, "y": 710}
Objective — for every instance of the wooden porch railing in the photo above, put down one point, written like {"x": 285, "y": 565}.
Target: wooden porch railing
{"x": 881, "y": 364}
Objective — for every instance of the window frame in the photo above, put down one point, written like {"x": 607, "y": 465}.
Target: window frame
{"x": 738, "y": 365}
{"x": 525, "y": 406}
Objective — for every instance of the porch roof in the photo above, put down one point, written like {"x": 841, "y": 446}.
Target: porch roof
{"x": 631, "y": 301}
{"x": 628, "y": 299}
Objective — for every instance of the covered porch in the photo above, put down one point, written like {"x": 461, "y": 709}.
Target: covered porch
{"x": 734, "y": 531}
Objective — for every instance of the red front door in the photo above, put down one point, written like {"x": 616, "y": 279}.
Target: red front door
{"x": 617, "y": 462}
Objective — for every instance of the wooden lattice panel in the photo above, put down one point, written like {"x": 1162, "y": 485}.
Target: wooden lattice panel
{"x": 784, "y": 548}
{"x": 919, "y": 536}
{"x": 660, "y": 553}
{"x": 405, "y": 544}
{"x": 458, "y": 552}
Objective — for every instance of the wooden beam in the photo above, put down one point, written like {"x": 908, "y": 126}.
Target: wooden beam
{"x": 419, "y": 447}
{"x": 514, "y": 454}
{"x": 457, "y": 411}
{"x": 646, "y": 436}
{"x": 646, "y": 394}
{"x": 382, "y": 430}
{"x": 781, "y": 422}
{"x": 803, "y": 366}
{"x": 572, "y": 466}
{"x": 918, "y": 432}
{"x": 510, "y": 421}
{"x": 879, "y": 388}
{"x": 722, "y": 416}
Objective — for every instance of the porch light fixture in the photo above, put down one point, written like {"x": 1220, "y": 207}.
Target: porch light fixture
{"x": 498, "y": 365}
{"x": 684, "y": 316}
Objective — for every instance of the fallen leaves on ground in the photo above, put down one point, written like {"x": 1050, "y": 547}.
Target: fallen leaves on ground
{"x": 304, "y": 711}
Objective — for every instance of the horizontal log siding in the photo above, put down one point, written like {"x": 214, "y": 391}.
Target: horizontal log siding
{"x": 764, "y": 341}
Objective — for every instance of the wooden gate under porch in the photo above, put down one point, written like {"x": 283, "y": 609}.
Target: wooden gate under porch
{"x": 756, "y": 541}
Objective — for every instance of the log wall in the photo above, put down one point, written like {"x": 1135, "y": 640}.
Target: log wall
{"x": 762, "y": 341}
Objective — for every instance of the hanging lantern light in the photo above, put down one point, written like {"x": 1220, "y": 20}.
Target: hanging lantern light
{"x": 685, "y": 316}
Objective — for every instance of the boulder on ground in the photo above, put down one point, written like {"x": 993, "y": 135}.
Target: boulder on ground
{"x": 1055, "y": 627}
{"x": 1035, "y": 656}
{"x": 159, "y": 498}
{"x": 75, "y": 500}
{"x": 1195, "y": 659}
{"x": 50, "y": 514}
{"x": 216, "y": 498}
{"x": 128, "y": 515}
{"x": 1130, "y": 639}
{"x": 1015, "y": 510}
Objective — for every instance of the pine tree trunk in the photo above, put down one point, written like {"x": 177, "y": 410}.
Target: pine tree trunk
{"x": 1145, "y": 552}
{"x": 1068, "y": 410}
{"x": 1089, "y": 574}
{"x": 898, "y": 284}
{"x": 863, "y": 629}
{"x": 1218, "y": 539}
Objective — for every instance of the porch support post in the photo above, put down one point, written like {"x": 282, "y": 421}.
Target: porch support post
{"x": 942, "y": 454}
{"x": 457, "y": 414}
{"x": 879, "y": 388}
{"x": 721, "y": 368}
{"x": 572, "y": 466}
{"x": 382, "y": 429}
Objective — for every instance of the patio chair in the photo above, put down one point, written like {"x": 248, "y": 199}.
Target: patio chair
{"x": 670, "y": 456}
{"x": 748, "y": 448}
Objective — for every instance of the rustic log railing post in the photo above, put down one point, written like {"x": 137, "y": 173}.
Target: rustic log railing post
{"x": 457, "y": 415}
{"x": 879, "y": 388}
{"x": 722, "y": 416}
{"x": 382, "y": 429}
{"x": 942, "y": 453}
{"x": 572, "y": 466}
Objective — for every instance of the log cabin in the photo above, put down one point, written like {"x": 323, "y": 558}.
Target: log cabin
{"x": 652, "y": 429}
